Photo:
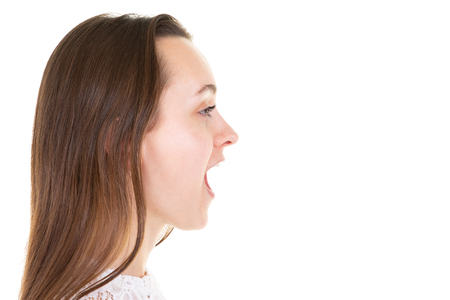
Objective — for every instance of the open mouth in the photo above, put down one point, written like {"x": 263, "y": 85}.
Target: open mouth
{"x": 208, "y": 188}
{"x": 206, "y": 181}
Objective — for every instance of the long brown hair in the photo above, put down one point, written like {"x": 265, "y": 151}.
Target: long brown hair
{"x": 99, "y": 95}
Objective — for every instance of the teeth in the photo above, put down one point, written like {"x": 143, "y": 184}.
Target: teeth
{"x": 218, "y": 165}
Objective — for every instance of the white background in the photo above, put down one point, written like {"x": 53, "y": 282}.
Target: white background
{"x": 339, "y": 185}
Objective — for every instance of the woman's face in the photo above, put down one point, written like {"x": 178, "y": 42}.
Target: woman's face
{"x": 187, "y": 142}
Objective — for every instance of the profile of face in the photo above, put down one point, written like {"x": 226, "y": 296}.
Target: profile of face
{"x": 188, "y": 140}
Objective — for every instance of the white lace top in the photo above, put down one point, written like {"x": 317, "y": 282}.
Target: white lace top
{"x": 126, "y": 287}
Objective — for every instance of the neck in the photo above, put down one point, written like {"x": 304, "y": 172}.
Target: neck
{"x": 137, "y": 267}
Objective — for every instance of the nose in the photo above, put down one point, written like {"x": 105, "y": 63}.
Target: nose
{"x": 225, "y": 135}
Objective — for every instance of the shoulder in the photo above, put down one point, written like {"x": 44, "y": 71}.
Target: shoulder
{"x": 99, "y": 295}
{"x": 126, "y": 287}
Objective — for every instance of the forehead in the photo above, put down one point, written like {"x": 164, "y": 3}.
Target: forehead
{"x": 183, "y": 63}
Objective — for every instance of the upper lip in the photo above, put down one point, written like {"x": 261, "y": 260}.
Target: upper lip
{"x": 216, "y": 163}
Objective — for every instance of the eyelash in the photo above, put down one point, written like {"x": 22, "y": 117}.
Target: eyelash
{"x": 207, "y": 111}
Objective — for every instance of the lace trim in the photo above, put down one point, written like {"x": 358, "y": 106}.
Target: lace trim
{"x": 126, "y": 287}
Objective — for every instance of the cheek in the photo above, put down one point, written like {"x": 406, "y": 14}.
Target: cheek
{"x": 180, "y": 154}
{"x": 174, "y": 163}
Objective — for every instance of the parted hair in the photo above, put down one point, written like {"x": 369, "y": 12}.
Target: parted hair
{"x": 98, "y": 97}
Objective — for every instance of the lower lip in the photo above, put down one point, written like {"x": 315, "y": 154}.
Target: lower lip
{"x": 208, "y": 188}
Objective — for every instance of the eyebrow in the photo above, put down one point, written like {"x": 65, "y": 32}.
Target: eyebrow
{"x": 207, "y": 87}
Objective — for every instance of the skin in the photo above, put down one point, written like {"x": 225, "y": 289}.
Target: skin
{"x": 177, "y": 154}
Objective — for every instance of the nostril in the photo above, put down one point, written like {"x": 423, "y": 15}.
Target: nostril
{"x": 225, "y": 139}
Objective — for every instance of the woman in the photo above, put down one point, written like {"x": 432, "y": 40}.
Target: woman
{"x": 125, "y": 131}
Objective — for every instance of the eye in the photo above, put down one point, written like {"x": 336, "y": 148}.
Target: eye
{"x": 207, "y": 111}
